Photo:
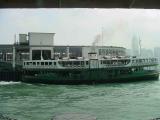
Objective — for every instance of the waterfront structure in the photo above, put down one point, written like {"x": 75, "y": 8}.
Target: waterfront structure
{"x": 37, "y": 46}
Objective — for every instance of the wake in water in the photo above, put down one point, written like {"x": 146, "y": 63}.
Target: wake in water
{"x": 8, "y": 83}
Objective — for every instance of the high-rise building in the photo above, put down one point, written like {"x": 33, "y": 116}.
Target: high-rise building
{"x": 146, "y": 53}
{"x": 157, "y": 53}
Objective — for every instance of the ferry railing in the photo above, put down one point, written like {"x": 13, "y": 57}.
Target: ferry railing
{"x": 28, "y": 65}
{"x": 116, "y": 63}
{"x": 144, "y": 62}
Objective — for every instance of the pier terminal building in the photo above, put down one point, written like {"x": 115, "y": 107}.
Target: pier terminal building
{"x": 38, "y": 46}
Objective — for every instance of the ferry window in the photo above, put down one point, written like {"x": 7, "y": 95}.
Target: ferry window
{"x": 86, "y": 62}
{"x": 101, "y": 61}
{"x": 76, "y": 62}
{"x": 70, "y": 63}
{"x": 63, "y": 63}
{"x": 24, "y": 63}
{"x": 103, "y": 52}
{"x": 104, "y": 62}
{"x": 46, "y": 63}
{"x": 27, "y": 63}
{"x": 50, "y": 63}
{"x": 82, "y": 62}
{"x": 42, "y": 63}
{"x": 67, "y": 63}
{"x": 108, "y": 62}
{"x": 37, "y": 63}
{"x": 34, "y": 63}
{"x": 59, "y": 62}
{"x": 107, "y": 52}
{"x": 54, "y": 63}
{"x": 100, "y": 52}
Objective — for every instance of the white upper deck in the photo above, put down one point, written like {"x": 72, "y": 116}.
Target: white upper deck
{"x": 89, "y": 63}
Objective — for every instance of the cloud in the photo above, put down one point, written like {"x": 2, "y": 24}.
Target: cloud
{"x": 80, "y": 26}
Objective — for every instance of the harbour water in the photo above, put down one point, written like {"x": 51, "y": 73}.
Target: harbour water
{"x": 117, "y": 101}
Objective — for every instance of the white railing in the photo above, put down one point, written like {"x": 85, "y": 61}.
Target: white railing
{"x": 143, "y": 62}
{"x": 54, "y": 64}
{"x": 76, "y": 63}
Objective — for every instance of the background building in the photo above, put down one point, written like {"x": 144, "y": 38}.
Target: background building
{"x": 41, "y": 45}
{"x": 157, "y": 53}
{"x": 146, "y": 53}
{"x": 38, "y": 46}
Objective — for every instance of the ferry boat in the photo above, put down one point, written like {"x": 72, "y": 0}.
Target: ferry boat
{"x": 90, "y": 70}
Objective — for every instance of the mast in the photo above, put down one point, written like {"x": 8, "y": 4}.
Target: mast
{"x": 41, "y": 50}
{"x": 15, "y": 39}
{"x": 102, "y": 36}
{"x": 14, "y": 54}
{"x": 139, "y": 46}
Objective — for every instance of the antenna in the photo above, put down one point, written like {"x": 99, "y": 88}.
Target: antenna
{"x": 15, "y": 39}
{"x": 139, "y": 46}
{"x": 102, "y": 36}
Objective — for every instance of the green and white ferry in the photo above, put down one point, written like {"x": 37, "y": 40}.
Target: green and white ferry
{"x": 90, "y": 70}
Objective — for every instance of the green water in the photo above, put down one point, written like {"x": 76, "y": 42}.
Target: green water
{"x": 123, "y": 101}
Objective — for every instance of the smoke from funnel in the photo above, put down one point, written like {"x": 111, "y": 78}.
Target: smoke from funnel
{"x": 101, "y": 39}
{"x": 97, "y": 40}
{"x": 114, "y": 34}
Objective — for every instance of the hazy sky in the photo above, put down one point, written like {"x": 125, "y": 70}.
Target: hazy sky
{"x": 81, "y": 26}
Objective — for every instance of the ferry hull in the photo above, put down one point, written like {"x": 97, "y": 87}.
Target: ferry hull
{"x": 89, "y": 77}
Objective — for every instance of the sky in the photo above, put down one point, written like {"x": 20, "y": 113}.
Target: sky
{"x": 110, "y": 27}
